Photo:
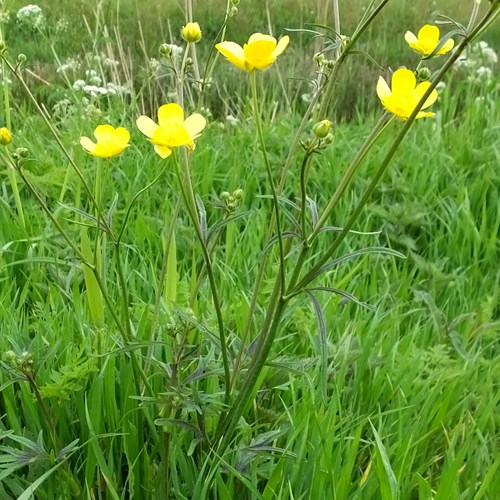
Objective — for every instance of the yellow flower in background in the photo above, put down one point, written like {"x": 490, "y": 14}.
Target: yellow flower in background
{"x": 110, "y": 141}
{"x": 5, "y": 136}
{"x": 405, "y": 94}
{"x": 172, "y": 130}
{"x": 259, "y": 53}
{"x": 191, "y": 32}
{"x": 428, "y": 40}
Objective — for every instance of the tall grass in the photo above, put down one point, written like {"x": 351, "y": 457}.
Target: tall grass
{"x": 406, "y": 404}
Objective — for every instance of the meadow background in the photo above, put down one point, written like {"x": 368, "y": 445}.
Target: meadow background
{"x": 410, "y": 407}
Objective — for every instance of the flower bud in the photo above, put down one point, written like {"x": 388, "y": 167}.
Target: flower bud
{"x": 2, "y": 45}
{"x": 238, "y": 194}
{"x": 224, "y": 196}
{"x": 165, "y": 50}
{"x": 21, "y": 58}
{"x": 235, "y": 2}
{"x": 10, "y": 358}
{"x": 322, "y": 128}
{"x": 424, "y": 73}
{"x": 5, "y": 136}
{"x": 234, "y": 11}
{"x": 319, "y": 58}
{"x": 191, "y": 32}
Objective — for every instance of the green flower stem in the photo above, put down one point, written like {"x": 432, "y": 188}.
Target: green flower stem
{"x": 304, "y": 169}
{"x": 54, "y": 221}
{"x": 375, "y": 180}
{"x": 328, "y": 93}
{"x": 349, "y": 173}
{"x": 270, "y": 176}
{"x": 274, "y": 220}
{"x": 328, "y": 83}
{"x": 42, "y": 113}
{"x": 212, "y": 55}
{"x": 10, "y": 172}
{"x": 138, "y": 371}
{"x": 227, "y": 426}
{"x": 188, "y": 196}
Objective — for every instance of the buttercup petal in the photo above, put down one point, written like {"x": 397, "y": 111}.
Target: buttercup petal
{"x": 448, "y": 45}
{"x": 233, "y": 53}
{"x": 104, "y": 133}
{"x": 147, "y": 126}
{"x": 122, "y": 135}
{"x": 410, "y": 38}
{"x": 170, "y": 116}
{"x": 383, "y": 90}
{"x": 260, "y": 53}
{"x": 87, "y": 144}
{"x": 424, "y": 114}
{"x": 420, "y": 91}
{"x": 163, "y": 151}
{"x": 429, "y": 33}
{"x": 403, "y": 81}
{"x": 194, "y": 124}
{"x": 282, "y": 45}
{"x": 260, "y": 37}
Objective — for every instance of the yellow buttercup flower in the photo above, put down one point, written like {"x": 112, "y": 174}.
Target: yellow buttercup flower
{"x": 191, "y": 32}
{"x": 110, "y": 141}
{"x": 428, "y": 40}
{"x": 5, "y": 136}
{"x": 405, "y": 94}
{"x": 172, "y": 130}
{"x": 259, "y": 53}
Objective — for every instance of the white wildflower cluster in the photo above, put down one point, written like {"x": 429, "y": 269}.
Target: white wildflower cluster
{"x": 31, "y": 16}
{"x": 105, "y": 61}
{"x": 478, "y": 62}
{"x": 95, "y": 86}
{"x": 67, "y": 108}
{"x": 154, "y": 66}
{"x": 232, "y": 121}
{"x": 70, "y": 65}
{"x": 62, "y": 26}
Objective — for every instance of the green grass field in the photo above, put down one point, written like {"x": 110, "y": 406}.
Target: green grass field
{"x": 114, "y": 387}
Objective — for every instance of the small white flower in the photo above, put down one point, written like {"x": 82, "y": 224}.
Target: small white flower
{"x": 232, "y": 120}
{"x": 31, "y": 16}
{"x": 79, "y": 84}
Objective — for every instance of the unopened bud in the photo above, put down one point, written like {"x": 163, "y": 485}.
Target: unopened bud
{"x": 191, "y": 32}
{"x": 21, "y": 58}
{"x": 10, "y": 357}
{"x": 322, "y": 128}
{"x": 5, "y": 136}
{"x": 238, "y": 194}
{"x": 234, "y": 11}
{"x": 224, "y": 196}
{"x": 319, "y": 58}
{"x": 424, "y": 73}
{"x": 165, "y": 50}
